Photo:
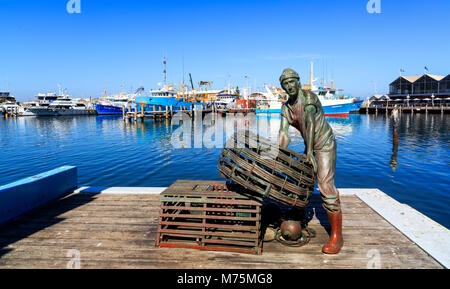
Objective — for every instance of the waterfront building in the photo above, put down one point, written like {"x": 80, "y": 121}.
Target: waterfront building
{"x": 422, "y": 87}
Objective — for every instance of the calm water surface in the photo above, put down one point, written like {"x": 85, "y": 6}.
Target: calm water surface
{"x": 109, "y": 152}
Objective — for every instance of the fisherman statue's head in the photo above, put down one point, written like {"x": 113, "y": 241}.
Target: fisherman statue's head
{"x": 290, "y": 82}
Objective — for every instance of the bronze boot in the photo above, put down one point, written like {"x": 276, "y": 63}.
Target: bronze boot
{"x": 336, "y": 241}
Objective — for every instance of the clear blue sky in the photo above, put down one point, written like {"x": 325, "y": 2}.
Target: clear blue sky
{"x": 121, "y": 42}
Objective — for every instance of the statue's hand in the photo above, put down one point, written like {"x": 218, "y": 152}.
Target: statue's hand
{"x": 310, "y": 158}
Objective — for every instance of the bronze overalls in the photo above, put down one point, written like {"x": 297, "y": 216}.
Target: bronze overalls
{"x": 324, "y": 146}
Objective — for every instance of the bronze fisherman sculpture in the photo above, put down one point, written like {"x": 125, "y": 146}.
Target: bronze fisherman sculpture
{"x": 304, "y": 111}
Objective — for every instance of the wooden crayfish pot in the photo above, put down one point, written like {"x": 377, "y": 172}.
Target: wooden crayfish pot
{"x": 268, "y": 171}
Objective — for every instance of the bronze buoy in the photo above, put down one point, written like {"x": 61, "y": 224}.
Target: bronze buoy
{"x": 291, "y": 230}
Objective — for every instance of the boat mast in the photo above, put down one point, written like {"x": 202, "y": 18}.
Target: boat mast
{"x": 165, "y": 71}
{"x": 311, "y": 76}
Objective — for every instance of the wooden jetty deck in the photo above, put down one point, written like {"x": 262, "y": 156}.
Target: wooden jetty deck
{"x": 166, "y": 112}
{"x": 442, "y": 109}
{"x": 116, "y": 228}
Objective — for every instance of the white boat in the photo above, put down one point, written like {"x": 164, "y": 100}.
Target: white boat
{"x": 9, "y": 105}
{"x": 5, "y": 96}
{"x": 334, "y": 102}
{"x": 53, "y": 105}
{"x": 270, "y": 103}
{"x": 225, "y": 100}
{"x": 11, "y": 108}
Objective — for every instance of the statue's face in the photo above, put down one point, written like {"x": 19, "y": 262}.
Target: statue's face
{"x": 290, "y": 85}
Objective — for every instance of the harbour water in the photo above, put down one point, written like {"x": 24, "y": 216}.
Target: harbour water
{"x": 108, "y": 152}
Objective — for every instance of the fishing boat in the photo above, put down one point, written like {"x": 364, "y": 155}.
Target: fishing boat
{"x": 335, "y": 104}
{"x": 115, "y": 104}
{"x": 333, "y": 101}
{"x": 164, "y": 98}
{"x": 270, "y": 102}
{"x": 175, "y": 96}
{"x": 226, "y": 99}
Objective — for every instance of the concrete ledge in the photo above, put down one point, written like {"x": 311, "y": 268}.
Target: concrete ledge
{"x": 120, "y": 190}
{"x": 354, "y": 192}
{"x": 429, "y": 235}
{"x": 24, "y": 195}
{"x": 158, "y": 190}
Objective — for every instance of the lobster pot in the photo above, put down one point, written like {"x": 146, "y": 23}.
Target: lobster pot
{"x": 260, "y": 166}
{"x": 207, "y": 215}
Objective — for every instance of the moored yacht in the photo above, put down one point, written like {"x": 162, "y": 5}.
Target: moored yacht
{"x": 53, "y": 105}
{"x": 8, "y": 104}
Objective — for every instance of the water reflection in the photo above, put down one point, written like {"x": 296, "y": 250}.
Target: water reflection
{"x": 213, "y": 127}
{"x": 405, "y": 161}
{"x": 393, "y": 162}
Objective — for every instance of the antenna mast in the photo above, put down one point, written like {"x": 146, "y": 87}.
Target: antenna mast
{"x": 164, "y": 71}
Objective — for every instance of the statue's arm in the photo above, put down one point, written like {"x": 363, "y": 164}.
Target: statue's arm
{"x": 310, "y": 112}
{"x": 283, "y": 139}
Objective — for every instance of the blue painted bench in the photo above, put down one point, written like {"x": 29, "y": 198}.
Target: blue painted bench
{"x": 27, "y": 194}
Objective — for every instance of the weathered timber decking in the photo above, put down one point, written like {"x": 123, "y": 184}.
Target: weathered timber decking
{"x": 118, "y": 231}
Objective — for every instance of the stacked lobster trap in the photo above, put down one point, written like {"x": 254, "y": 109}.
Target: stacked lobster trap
{"x": 208, "y": 216}
{"x": 226, "y": 216}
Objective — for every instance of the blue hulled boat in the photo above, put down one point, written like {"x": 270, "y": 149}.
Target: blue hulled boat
{"x": 160, "y": 98}
{"x": 114, "y": 104}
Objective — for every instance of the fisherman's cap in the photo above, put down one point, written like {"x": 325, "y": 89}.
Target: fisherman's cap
{"x": 288, "y": 73}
